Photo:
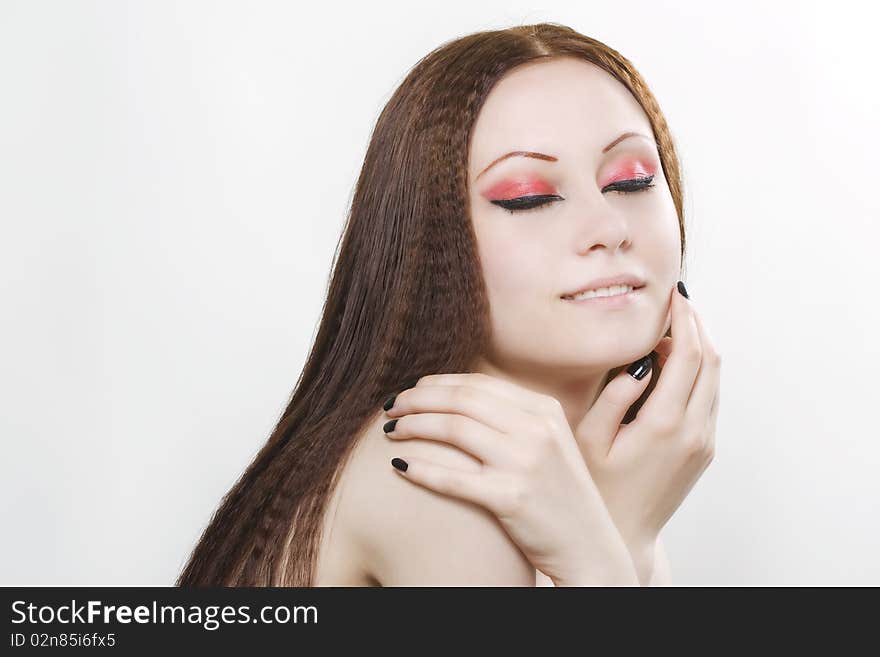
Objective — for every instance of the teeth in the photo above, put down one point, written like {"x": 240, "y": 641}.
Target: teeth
{"x": 603, "y": 292}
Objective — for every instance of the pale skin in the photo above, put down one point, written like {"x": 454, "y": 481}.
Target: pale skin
{"x": 520, "y": 465}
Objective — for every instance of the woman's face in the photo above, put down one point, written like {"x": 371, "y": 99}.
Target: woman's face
{"x": 570, "y": 110}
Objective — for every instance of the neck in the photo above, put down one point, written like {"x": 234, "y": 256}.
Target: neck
{"x": 577, "y": 394}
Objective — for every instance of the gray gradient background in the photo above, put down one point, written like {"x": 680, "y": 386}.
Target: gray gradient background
{"x": 174, "y": 177}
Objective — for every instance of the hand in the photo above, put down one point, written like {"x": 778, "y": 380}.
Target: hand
{"x": 532, "y": 476}
{"x": 646, "y": 468}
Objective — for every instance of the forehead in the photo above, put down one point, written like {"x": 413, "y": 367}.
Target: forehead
{"x": 560, "y": 106}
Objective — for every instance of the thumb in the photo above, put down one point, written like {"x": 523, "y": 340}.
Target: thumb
{"x": 596, "y": 432}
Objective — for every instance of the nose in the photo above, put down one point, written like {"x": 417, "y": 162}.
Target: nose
{"x": 602, "y": 227}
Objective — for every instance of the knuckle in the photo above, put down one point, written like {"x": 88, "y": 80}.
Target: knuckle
{"x": 710, "y": 452}
{"x": 552, "y": 404}
{"x": 514, "y": 497}
{"x": 458, "y": 395}
{"x": 471, "y": 378}
{"x": 550, "y": 426}
{"x": 693, "y": 353}
{"x": 694, "y": 446}
{"x": 454, "y": 424}
{"x": 495, "y": 502}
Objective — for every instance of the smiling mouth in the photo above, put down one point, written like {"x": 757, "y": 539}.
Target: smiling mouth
{"x": 603, "y": 293}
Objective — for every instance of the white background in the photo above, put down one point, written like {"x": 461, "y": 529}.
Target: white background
{"x": 174, "y": 177}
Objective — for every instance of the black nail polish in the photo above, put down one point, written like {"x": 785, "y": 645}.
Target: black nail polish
{"x": 683, "y": 290}
{"x": 640, "y": 368}
{"x": 390, "y": 401}
{"x": 400, "y": 464}
{"x": 389, "y": 426}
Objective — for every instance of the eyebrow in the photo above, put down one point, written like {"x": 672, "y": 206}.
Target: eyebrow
{"x": 550, "y": 158}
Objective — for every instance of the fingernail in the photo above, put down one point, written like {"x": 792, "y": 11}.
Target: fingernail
{"x": 400, "y": 464}
{"x": 683, "y": 290}
{"x": 640, "y": 368}
{"x": 390, "y": 401}
{"x": 389, "y": 426}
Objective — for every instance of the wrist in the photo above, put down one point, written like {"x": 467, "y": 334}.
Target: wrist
{"x": 612, "y": 566}
{"x": 642, "y": 553}
{"x": 623, "y": 574}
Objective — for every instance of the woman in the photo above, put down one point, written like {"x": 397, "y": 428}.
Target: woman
{"x": 510, "y": 170}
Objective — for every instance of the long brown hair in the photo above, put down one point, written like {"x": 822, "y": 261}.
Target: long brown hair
{"x": 406, "y": 298}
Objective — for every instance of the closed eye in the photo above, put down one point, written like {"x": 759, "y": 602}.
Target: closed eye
{"x": 532, "y": 202}
{"x": 527, "y": 202}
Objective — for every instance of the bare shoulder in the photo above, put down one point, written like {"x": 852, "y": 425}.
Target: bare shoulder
{"x": 403, "y": 534}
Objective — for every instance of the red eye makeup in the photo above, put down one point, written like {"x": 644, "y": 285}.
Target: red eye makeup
{"x": 529, "y": 191}
{"x": 629, "y": 170}
{"x": 517, "y": 186}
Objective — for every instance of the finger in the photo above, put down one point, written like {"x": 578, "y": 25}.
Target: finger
{"x": 477, "y": 487}
{"x": 713, "y": 414}
{"x": 674, "y": 386}
{"x": 596, "y": 432}
{"x": 528, "y": 400}
{"x": 461, "y": 431}
{"x": 699, "y": 405}
{"x": 498, "y": 413}
{"x": 713, "y": 417}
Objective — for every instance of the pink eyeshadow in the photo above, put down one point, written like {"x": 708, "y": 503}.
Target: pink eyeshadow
{"x": 520, "y": 186}
{"x": 630, "y": 170}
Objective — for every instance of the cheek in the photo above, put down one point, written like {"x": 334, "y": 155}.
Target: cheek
{"x": 510, "y": 265}
{"x": 671, "y": 238}
{"x": 660, "y": 237}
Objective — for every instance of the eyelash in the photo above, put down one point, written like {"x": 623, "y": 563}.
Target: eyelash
{"x": 525, "y": 203}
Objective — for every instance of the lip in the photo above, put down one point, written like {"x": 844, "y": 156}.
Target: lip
{"x": 609, "y": 281}
{"x": 614, "y": 301}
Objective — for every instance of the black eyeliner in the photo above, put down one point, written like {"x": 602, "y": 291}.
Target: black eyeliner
{"x": 634, "y": 185}
{"x": 526, "y": 202}
{"x": 535, "y": 201}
